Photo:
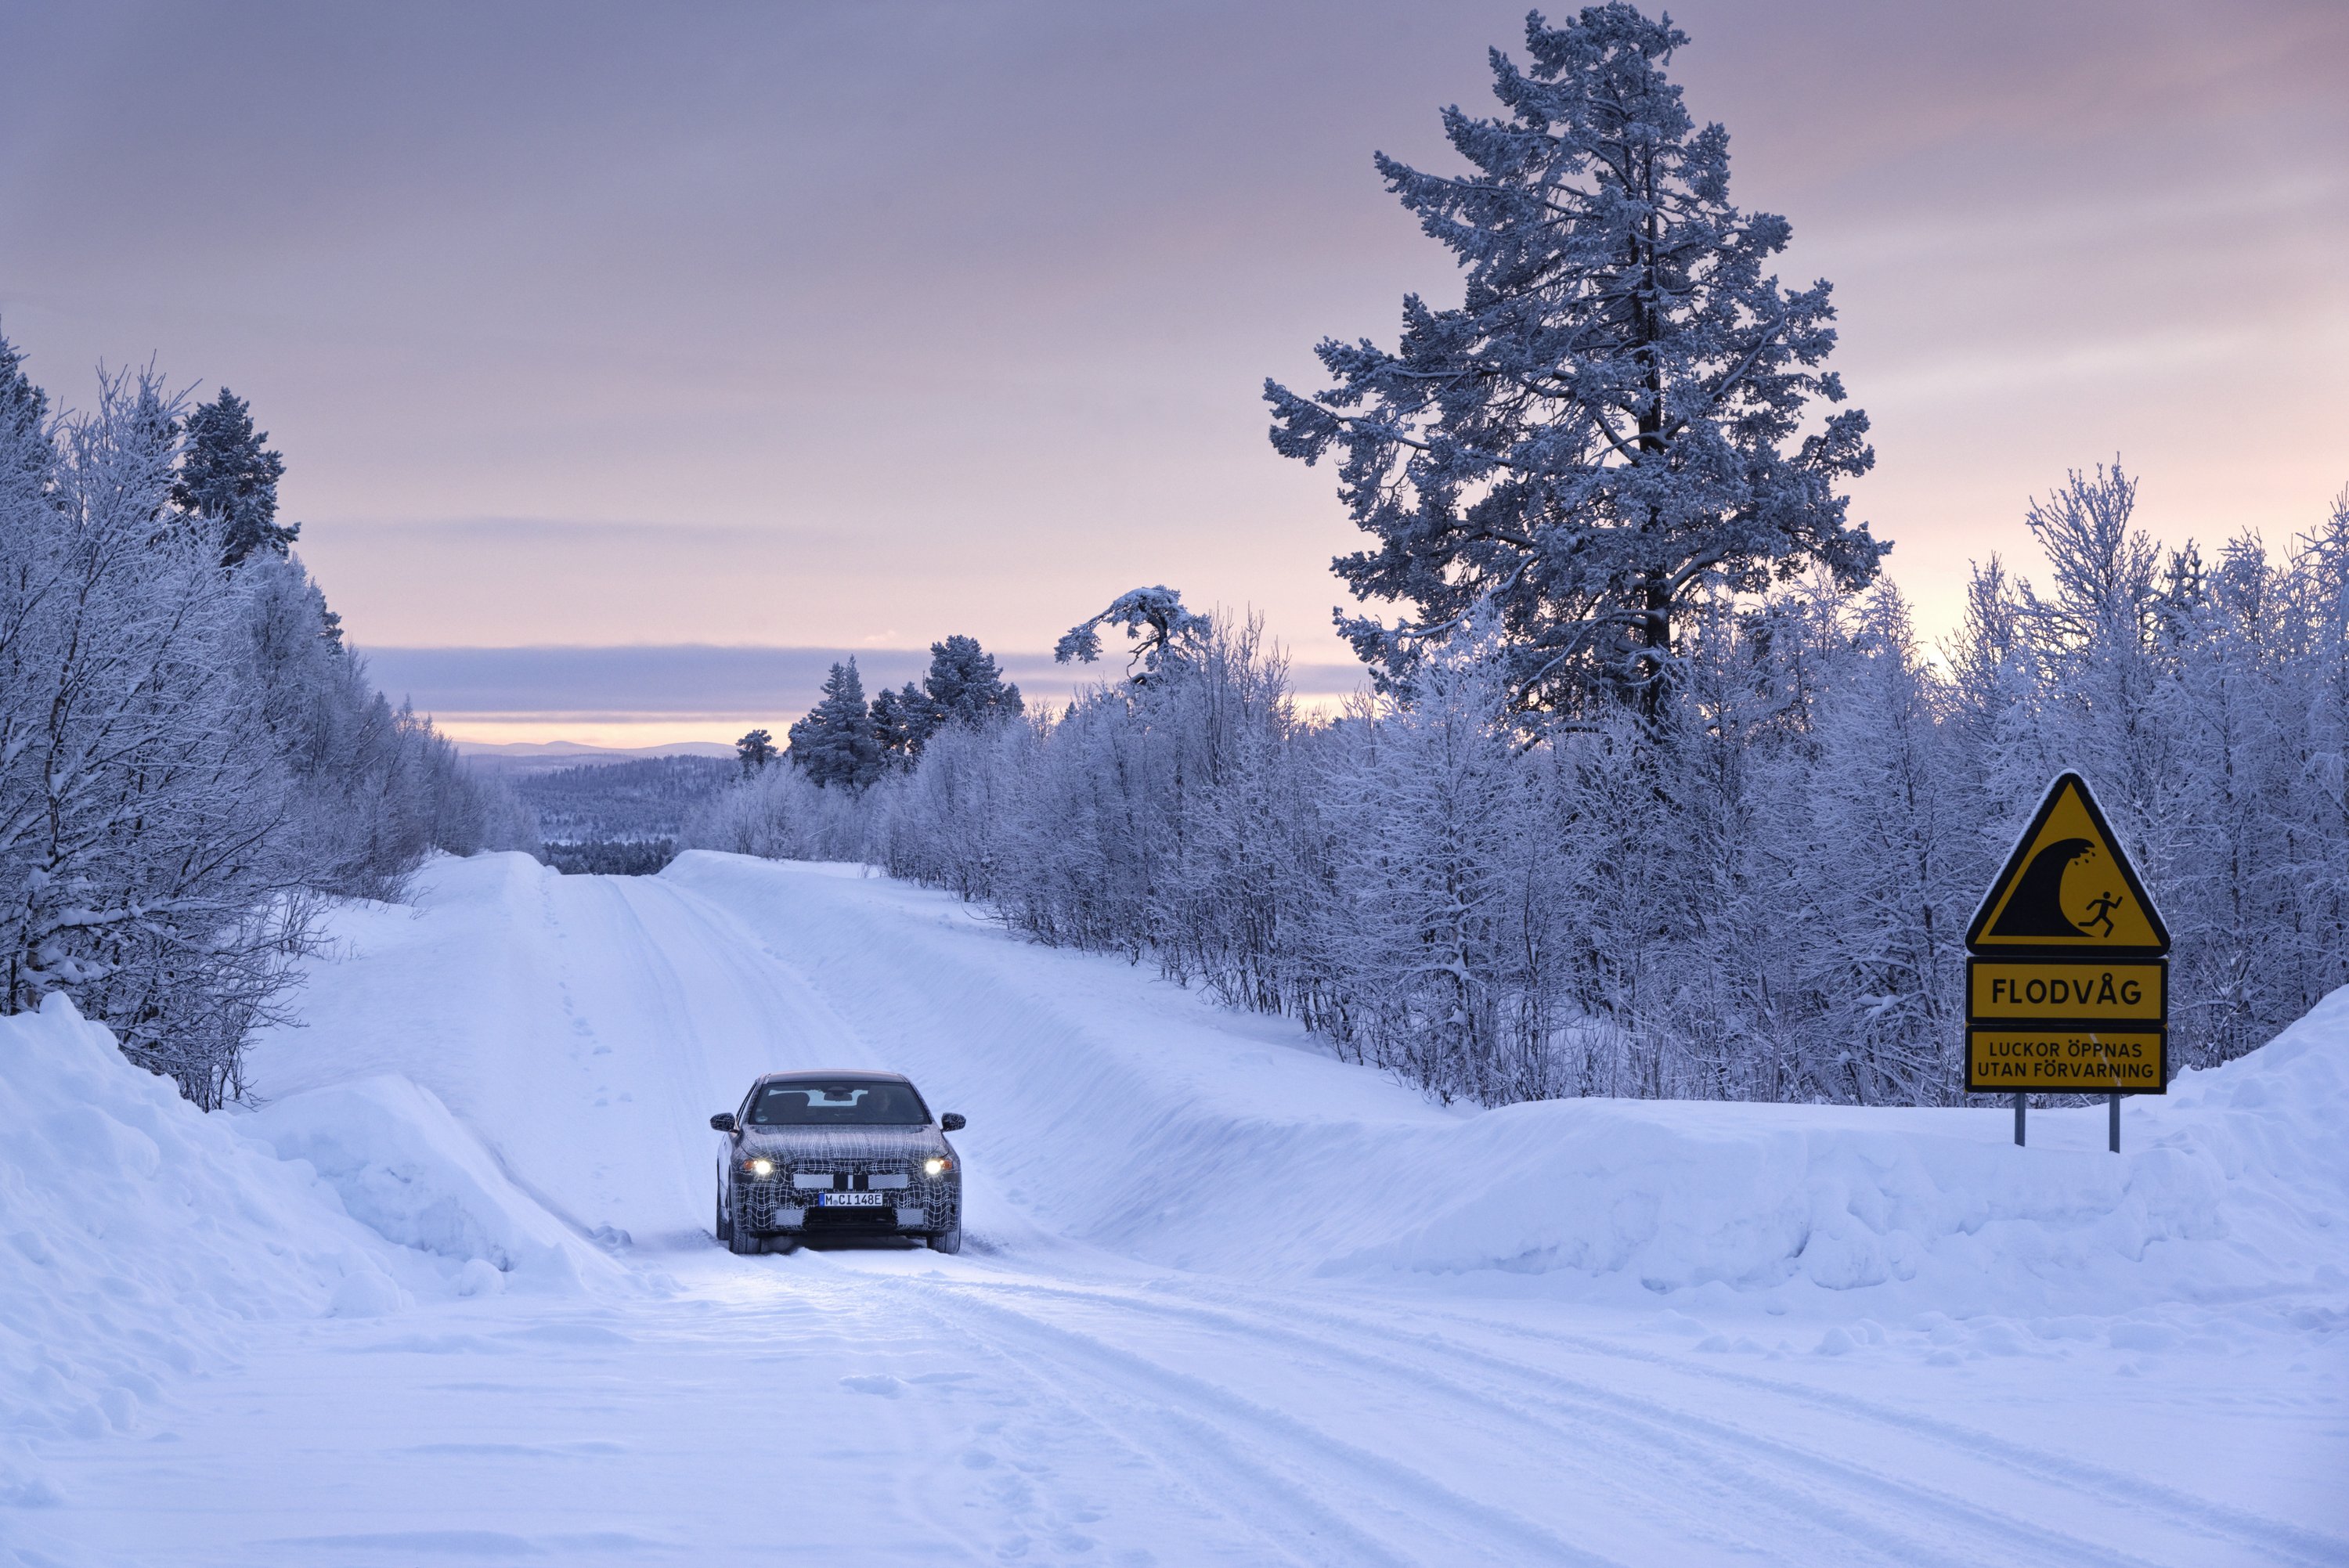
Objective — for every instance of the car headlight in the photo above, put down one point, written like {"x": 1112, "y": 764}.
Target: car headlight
{"x": 936, "y": 1165}
{"x": 759, "y": 1168}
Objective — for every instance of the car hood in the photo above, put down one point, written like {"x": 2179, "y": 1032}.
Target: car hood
{"x": 846, "y": 1143}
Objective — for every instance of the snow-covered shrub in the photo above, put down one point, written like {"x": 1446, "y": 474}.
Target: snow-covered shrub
{"x": 782, "y": 814}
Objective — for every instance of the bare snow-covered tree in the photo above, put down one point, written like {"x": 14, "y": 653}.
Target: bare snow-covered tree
{"x": 140, "y": 802}
{"x": 190, "y": 758}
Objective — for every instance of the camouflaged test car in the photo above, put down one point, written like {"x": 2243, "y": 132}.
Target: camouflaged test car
{"x": 838, "y": 1154}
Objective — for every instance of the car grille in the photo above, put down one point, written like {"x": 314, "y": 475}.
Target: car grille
{"x": 854, "y": 1176}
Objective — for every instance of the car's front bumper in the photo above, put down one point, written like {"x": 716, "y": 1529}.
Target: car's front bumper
{"x": 782, "y": 1218}
{"x": 769, "y": 1207}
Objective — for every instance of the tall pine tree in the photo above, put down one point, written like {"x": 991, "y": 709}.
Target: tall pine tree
{"x": 835, "y": 743}
{"x": 754, "y": 751}
{"x": 965, "y": 688}
{"x": 1609, "y": 424}
{"x": 227, "y": 475}
{"x": 25, "y": 449}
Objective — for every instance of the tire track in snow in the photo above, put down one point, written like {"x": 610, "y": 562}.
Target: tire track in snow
{"x": 1248, "y": 1445}
{"x": 1068, "y": 1410}
{"x": 1741, "y": 1469}
{"x": 2256, "y": 1535}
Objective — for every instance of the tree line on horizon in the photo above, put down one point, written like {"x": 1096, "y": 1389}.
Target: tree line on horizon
{"x": 1658, "y": 793}
{"x": 846, "y": 741}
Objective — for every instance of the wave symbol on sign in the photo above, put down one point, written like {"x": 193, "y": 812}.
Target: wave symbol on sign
{"x": 2036, "y": 908}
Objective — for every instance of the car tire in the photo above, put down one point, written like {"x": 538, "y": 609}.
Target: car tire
{"x": 739, "y": 1240}
{"x": 722, "y": 1227}
{"x": 947, "y": 1240}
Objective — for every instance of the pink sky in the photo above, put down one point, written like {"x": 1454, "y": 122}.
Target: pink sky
{"x": 851, "y": 327}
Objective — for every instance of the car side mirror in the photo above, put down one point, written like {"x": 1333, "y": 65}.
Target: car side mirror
{"x": 952, "y": 1122}
{"x": 723, "y": 1121}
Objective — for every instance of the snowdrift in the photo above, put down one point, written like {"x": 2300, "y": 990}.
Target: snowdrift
{"x": 142, "y": 1237}
{"x": 405, "y": 1169}
{"x": 2226, "y": 1188}
{"x": 141, "y": 1234}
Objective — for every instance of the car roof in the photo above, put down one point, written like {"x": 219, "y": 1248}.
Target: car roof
{"x": 853, "y": 1074}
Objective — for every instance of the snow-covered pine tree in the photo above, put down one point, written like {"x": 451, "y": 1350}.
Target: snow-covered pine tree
{"x": 24, "y": 446}
{"x": 965, "y": 688}
{"x": 189, "y": 756}
{"x": 834, "y": 744}
{"x": 1154, "y": 617}
{"x": 902, "y": 721}
{"x": 1609, "y": 423}
{"x": 228, "y": 476}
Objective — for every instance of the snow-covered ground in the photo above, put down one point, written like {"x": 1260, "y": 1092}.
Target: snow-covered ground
{"x": 450, "y": 1294}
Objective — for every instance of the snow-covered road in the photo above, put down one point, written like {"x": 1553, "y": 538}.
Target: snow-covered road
{"x": 1214, "y": 1309}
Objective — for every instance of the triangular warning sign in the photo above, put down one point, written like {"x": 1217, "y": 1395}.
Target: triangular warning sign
{"x": 2068, "y": 887}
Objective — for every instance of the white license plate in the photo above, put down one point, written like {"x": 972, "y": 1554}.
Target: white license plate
{"x": 851, "y": 1200}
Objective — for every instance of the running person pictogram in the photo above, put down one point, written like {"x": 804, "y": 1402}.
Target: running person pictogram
{"x": 2100, "y": 912}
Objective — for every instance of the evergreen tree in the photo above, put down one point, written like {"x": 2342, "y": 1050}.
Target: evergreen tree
{"x": 754, "y": 751}
{"x": 835, "y": 744}
{"x": 902, "y": 721}
{"x": 26, "y": 450}
{"x": 1599, "y": 433}
{"x": 229, "y": 476}
{"x": 1164, "y": 631}
{"x": 965, "y": 688}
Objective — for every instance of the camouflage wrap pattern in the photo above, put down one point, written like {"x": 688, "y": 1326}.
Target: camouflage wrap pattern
{"x": 856, "y": 1158}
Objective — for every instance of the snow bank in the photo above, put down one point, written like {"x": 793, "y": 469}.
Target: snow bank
{"x": 136, "y": 1234}
{"x": 2228, "y": 1186}
{"x": 139, "y": 1238}
{"x": 405, "y": 1169}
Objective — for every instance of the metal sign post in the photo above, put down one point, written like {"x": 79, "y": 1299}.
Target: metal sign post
{"x": 2067, "y": 990}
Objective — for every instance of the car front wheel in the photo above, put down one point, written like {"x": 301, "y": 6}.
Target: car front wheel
{"x": 739, "y": 1241}
{"x": 947, "y": 1240}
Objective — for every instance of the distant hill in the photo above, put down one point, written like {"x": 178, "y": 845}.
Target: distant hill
{"x": 517, "y": 759}
{"x": 635, "y": 800}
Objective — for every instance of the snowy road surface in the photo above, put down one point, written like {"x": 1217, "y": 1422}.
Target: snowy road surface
{"x": 1226, "y": 1300}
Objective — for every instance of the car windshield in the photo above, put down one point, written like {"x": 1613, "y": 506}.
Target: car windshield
{"x": 847, "y": 1104}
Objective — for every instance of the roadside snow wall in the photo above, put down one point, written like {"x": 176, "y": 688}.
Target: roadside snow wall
{"x": 405, "y": 1169}
{"x": 136, "y": 1234}
{"x": 141, "y": 1239}
{"x": 2232, "y": 1183}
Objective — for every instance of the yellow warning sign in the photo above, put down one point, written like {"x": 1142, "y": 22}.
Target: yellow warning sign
{"x": 2032, "y": 990}
{"x": 2064, "y": 1061}
{"x": 2068, "y": 887}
